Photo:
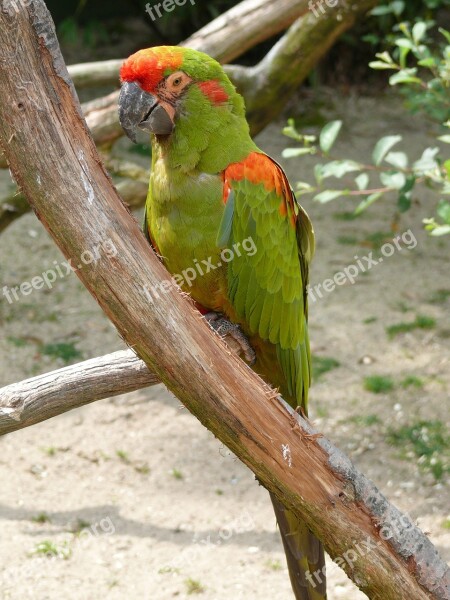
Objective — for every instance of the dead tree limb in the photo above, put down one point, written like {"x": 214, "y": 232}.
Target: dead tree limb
{"x": 40, "y": 398}
{"x": 55, "y": 162}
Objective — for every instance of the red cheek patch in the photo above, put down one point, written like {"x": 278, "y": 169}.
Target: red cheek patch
{"x": 214, "y": 91}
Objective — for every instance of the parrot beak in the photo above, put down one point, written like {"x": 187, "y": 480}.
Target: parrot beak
{"x": 140, "y": 110}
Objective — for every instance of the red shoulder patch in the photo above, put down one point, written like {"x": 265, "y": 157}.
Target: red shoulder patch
{"x": 147, "y": 67}
{"x": 260, "y": 168}
{"x": 214, "y": 91}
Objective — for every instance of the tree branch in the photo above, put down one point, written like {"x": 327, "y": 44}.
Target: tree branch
{"x": 55, "y": 162}
{"x": 40, "y": 398}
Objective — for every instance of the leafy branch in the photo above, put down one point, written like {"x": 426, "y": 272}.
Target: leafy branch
{"x": 396, "y": 172}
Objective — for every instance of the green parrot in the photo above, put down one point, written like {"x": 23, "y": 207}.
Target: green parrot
{"x": 224, "y": 220}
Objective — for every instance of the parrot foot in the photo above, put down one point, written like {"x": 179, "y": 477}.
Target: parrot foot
{"x": 232, "y": 334}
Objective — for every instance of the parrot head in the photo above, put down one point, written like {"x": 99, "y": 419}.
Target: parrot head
{"x": 165, "y": 85}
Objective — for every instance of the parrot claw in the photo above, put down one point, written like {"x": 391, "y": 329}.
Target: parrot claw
{"x": 232, "y": 334}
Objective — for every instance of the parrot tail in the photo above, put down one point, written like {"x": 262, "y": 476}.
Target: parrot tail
{"x": 304, "y": 553}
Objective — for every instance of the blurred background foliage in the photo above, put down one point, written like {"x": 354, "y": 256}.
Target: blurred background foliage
{"x": 100, "y": 30}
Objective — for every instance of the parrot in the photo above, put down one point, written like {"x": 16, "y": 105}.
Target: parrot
{"x": 219, "y": 206}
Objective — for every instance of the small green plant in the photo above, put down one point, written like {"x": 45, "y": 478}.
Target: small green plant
{"x": 439, "y": 296}
{"x": 166, "y": 570}
{"x": 193, "y": 586}
{"x": 123, "y": 456}
{"x": 177, "y": 474}
{"x": 323, "y": 364}
{"x": 429, "y": 441}
{"x": 412, "y": 381}
{"x": 378, "y": 384}
{"x": 274, "y": 565}
{"x": 142, "y": 468}
{"x": 41, "y": 518}
{"x": 365, "y": 420}
{"x": 347, "y": 240}
{"x": 80, "y": 524}
{"x": 370, "y": 320}
{"x": 52, "y": 550}
{"x": 66, "y": 351}
{"x": 421, "y": 322}
{"x": 50, "y": 450}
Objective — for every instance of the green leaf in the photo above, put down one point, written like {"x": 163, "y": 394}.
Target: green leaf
{"x": 339, "y": 168}
{"x": 303, "y": 187}
{"x": 404, "y": 76}
{"x": 393, "y": 179}
{"x": 404, "y": 202}
{"x": 427, "y": 161}
{"x": 418, "y": 31}
{"x": 385, "y": 57}
{"x": 380, "y": 11}
{"x": 447, "y": 168}
{"x": 329, "y": 195}
{"x": 328, "y": 135}
{"x": 378, "y": 64}
{"x": 409, "y": 185}
{"x": 291, "y": 131}
{"x": 362, "y": 181}
{"x": 441, "y": 230}
{"x": 396, "y": 8}
{"x": 293, "y": 152}
{"x": 443, "y": 211}
{"x": 397, "y": 159}
{"x": 445, "y": 33}
{"x": 403, "y": 56}
{"x": 367, "y": 202}
{"x": 404, "y": 43}
{"x": 383, "y": 146}
{"x": 429, "y": 62}
{"x": 318, "y": 173}
{"x": 444, "y": 138}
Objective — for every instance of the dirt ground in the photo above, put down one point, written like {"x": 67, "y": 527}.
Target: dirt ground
{"x": 132, "y": 498}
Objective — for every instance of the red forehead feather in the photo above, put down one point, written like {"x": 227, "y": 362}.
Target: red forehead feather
{"x": 149, "y": 66}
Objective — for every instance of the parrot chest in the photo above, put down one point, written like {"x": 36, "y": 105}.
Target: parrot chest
{"x": 184, "y": 214}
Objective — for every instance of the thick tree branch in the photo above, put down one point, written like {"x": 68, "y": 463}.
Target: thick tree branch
{"x": 55, "y": 162}
{"x": 40, "y": 398}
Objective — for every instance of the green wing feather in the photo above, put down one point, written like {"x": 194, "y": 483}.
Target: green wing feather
{"x": 268, "y": 289}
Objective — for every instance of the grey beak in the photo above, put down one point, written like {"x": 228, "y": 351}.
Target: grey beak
{"x": 140, "y": 110}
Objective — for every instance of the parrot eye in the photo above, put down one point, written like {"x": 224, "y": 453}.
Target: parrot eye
{"x": 176, "y": 82}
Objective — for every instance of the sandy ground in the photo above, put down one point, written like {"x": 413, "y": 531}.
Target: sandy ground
{"x": 132, "y": 498}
